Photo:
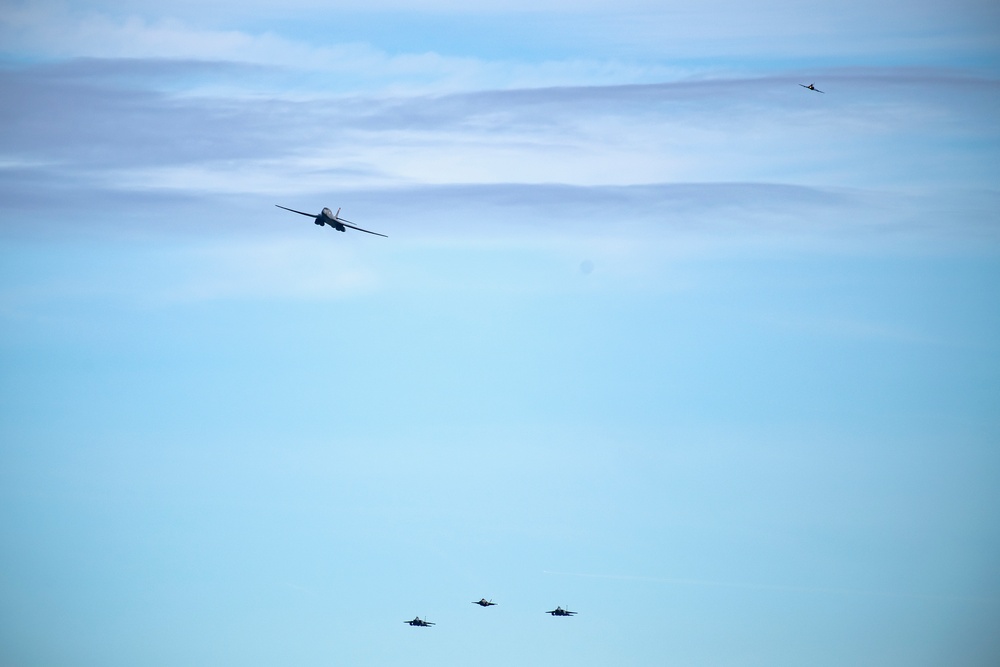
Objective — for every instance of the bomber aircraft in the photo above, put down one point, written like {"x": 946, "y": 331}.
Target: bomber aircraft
{"x": 328, "y": 217}
{"x": 484, "y": 603}
{"x": 559, "y": 611}
{"x": 417, "y": 623}
{"x": 811, "y": 87}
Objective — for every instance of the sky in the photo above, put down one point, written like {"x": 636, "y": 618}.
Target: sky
{"x": 657, "y": 334}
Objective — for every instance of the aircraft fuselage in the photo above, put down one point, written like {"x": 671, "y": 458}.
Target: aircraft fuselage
{"x": 327, "y": 217}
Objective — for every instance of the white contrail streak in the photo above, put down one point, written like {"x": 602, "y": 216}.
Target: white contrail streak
{"x": 769, "y": 587}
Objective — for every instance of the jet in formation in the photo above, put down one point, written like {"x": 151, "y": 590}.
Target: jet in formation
{"x": 559, "y": 611}
{"x": 328, "y": 217}
{"x": 811, "y": 87}
{"x": 418, "y": 623}
{"x": 484, "y": 603}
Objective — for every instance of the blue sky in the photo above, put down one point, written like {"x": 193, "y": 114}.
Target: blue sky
{"x": 657, "y": 335}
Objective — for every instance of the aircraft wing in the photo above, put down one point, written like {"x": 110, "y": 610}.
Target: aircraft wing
{"x": 311, "y": 215}
{"x": 348, "y": 223}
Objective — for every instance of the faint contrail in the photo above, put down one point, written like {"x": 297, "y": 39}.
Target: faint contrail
{"x": 769, "y": 587}
{"x": 301, "y": 589}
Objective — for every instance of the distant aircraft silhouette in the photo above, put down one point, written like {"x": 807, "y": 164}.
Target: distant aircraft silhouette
{"x": 417, "y": 623}
{"x": 811, "y": 87}
{"x": 484, "y": 603}
{"x": 328, "y": 217}
{"x": 559, "y": 611}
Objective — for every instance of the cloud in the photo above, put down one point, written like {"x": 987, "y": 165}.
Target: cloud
{"x": 875, "y": 127}
{"x": 437, "y": 46}
{"x": 708, "y": 23}
{"x": 123, "y": 145}
{"x": 340, "y": 65}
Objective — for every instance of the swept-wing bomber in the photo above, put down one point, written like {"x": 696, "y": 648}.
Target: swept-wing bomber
{"x": 484, "y": 603}
{"x": 417, "y": 623}
{"x": 328, "y": 217}
{"x": 811, "y": 87}
{"x": 559, "y": 611}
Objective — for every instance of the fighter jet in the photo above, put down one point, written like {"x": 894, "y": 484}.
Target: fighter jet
{"x": 811, "y": 87}
{"x": 484, "y": 603}
{"x": 328, "y": 217}
{"x": 417, "y": 623}
{"x": 559, "y": 611}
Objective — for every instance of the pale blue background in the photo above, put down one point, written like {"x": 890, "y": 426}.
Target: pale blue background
{"x": 658, "y": 335}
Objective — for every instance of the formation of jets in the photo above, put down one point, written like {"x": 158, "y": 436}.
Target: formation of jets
{"x": 417, "y": 622}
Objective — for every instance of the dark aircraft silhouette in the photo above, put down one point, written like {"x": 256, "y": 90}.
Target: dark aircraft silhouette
{"x": 328, "y": 217}
{"x": 484, "y": 603}
{"x": 417, "y": 623}
{"x": 559, "y": 611}
{"x": 811, "y": 87}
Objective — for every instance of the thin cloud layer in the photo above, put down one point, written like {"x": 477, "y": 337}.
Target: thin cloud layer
{"x": 98, "y": 119}
{"x": 385, "y": 46}
{"x": 120, "y": 139}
